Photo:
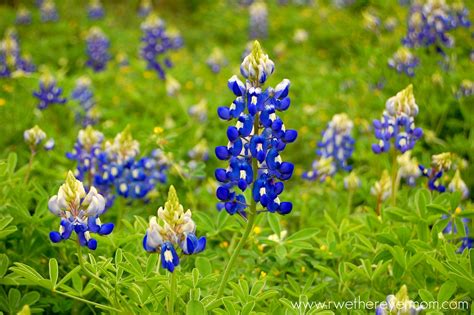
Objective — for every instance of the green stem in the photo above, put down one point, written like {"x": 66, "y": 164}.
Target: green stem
{"x": 171, "y": 300}
{"x": 349, "y": 200}
{"x": 394, "y": 177}
{"x": 105, "y": 307}
{"x": 30, "y": 165}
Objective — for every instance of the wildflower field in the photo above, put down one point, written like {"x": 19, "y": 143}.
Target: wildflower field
{"x": 236, "y": 157}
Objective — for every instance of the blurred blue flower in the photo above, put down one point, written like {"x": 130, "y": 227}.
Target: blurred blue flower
{"x": 79, "y": 212}
{"x": 95, "y": 10}
{"x": 404, "y": 61}
{"x": 258, "y": 20}
{"x": 97, "y": 49}
{"x": 145, "y": 8}
{"x": 256, "y": 141}
{"x": 11, "y": 60}
{"x": 83, "y": 94}
{"x": 157, "y": 41}
{"x": 451, "y": 228}
{"x": 23, "y": 16}
{"x": 335, "y": 149}
{"x": 440, "y": 163}
{"x": 48, "y": 11}
{"x": 49, "y": 93}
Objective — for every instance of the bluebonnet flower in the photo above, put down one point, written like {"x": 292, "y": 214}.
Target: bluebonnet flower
{"x": 199, "y": 111}
{"x": 95, "y": 10}
{"x": 48, "y": 11}
{"x": 452, "y": 229}
{"x": 49, "y": 93}
{"x": 216, "y": 60}
{"x": 157, "y": 41}
{"x": 83, "y": 94}
{"x": 97, "y": 49}
{"x": 466, "y": 89}
{"x": 390, "y": 24}
{"x": 352, "y": 181}
{"x": 371, "y": 21}
{"x": 408, "y": 168}
{"x": 382, "y": 188}
{"x": 257, "y": 139}
{"x": 457, "y": 184}
{"x": 122, "y": 60}
{"x": 398, "y": 304}
{"x": 429, "y": 24}
{"x": 11, "y": 61}
{"x": 33, "y": 137}
{"x": 439, "y": 163}
{"x": 79, "y": 212}
{"x": 172, "y": 229}
{"x": 23, "y": 16}
{"x": 398, "y": 123}
{"x": 145, "y": 8}
{"x": 172, "y": 86}
{"x": 200, "y": 152}
{"x": 258, "y": 20}
{"x": 335, "y": 149}
{"x": 404, "y": 61}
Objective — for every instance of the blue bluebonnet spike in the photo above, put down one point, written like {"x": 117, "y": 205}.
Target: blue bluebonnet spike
{"x": 440, "y": 163}
{"x": 404, "y": 61}
{"x": 79, "y": 212}
{"x": 49, "y": 93}
{"x": 23, "y": 16}
{"x": 452, "y": 229}
{"x": 48, "y": 10}
{"x": 259, "y": 136}
{"x": 145, "y": 8}
{"x": 408, "y": 168}
{"x": 398, "y": 304}
{"x": 11, "y": 60}
{"x": 258, "y": 20}
{"x": 95, "y": 10}
{"x": 334, "y": 150}
{"x": 217, "y": 60}
{"x": 171, "y": 229}
{"x": 157, "y": 41}
{"x": 429, "y": 24}
{"x": 83, "y": 94}
{"x": 97, "y": 49}
{"x": 397, "y": 123}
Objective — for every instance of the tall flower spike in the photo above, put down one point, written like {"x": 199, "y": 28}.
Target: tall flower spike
{"x": 83, "y": 94}
{"x": 398, "y": 123}
{"x": 48, "y": 11}
{"x": 258, "y": 20}
{"x": 156, "y": 43}
{"x": 404, "y": 61}
{"x": 49, "y": 93}
{"x": 95, "y": 10}
{"x": 383, "y": 187}
{"x": 11, "y": 60}
{"x": 335, "y": 149}
{"x": 457, "y": 184}
{"x": 439, "y": 163}
{"x": 23, "y": 16}
{"x": 97, "y": 49}
{"x": 172, "y": 229}
{"x": 408, "y": 168}
{"x": 256, "y": 141}
{"x": 79, "y": 212}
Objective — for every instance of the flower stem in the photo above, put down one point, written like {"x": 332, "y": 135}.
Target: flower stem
{"x": 172, "y": 279}
{"x": 105, "y": 307}
{"x": 30, "y": 165}
{"x": 349, "y": 200}
{"x": 394, "y": 178}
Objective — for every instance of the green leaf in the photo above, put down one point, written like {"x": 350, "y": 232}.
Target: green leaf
{"x": 303, "y": 234}
{"x": 53, "y": 271}
{"x": 247, "y": 308}
{"x": 281, "y": 251}
{"x": 30, "y": 298}
{"x": 426, "y": 295}
{"x": 195, "y": 308}
{"x": 4, "y": 262}
{"x": 229, "y": 306}
{"x": 12, "y": 159}
{"x": 446, "y": 291}
{"x": 14, "y": 296}
{"x": 204, "y": 265}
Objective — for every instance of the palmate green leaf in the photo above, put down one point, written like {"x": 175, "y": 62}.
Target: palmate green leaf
{"x": 31, "y": 274}
{"x": 229, "y": 306}
{"x": 303, "y": 234}
{"x": 327, "y": 271}
{"x": 248, "y": 307}
{"x": 53, "y": 271}
{"x": 204, "y": 265}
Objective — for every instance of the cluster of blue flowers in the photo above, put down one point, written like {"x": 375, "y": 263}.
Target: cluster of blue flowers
{"x": 466, "y": 241}
{"x": 95, "y": 10}
{"x": 429, "y": 24}
{"x": 256, "y": 141}
{"x": 10, "y": 56}
{"x": 23, "y": 16}
{"x": 48, "y": 11}
{"x": 398, "y": 123}
{"x": 145, "y": 8}
{"x": 97, "y": 49}
{"x": 83, "y": 94}
{"x": 114, "y": 168}
{"x": 334, "y": 150}
{"x": 157, "y": 41}
{"x": 440, "y": 163}
{"x": 172, "y": 227}
{"x": 49, "y": 93}
{"x": 79, "y": 212}
{"x": 258, "y": 20}
{"x": 404, "y": 61}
